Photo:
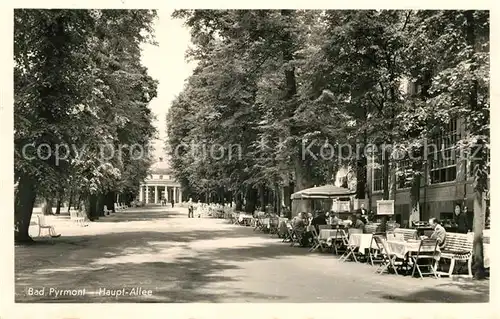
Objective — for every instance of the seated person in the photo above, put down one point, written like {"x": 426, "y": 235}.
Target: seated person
{"x": 334, "y": 218}
{"x": 299, "y": 226}
{"x": 320, "y": 219}
{"x": 439, "y": 232}
{"x": 356, "y": 222}
{"x": 309, "y": 219}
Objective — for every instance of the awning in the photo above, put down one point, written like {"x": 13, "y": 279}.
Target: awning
{"x": 323, "y": 192}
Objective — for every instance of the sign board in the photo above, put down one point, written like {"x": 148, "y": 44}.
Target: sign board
{"x": 385, "y": 207}
{"x": 341, "y": 206}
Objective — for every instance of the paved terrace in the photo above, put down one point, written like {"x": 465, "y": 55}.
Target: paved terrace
{"x": 207, "y": 260}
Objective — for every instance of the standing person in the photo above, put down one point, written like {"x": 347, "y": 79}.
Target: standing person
{"x": 190, "y": 208}
{"x": 461, "y": 219}
{"x": 172, "y": 202}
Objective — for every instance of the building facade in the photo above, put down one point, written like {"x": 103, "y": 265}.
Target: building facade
{"x": 447, "y": 178}
{"x": 160, "y": 185}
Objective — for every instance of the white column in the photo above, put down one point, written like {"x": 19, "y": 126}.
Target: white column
{"x": 141, "y": 195}
{"x": 147, "y": 194}
{"x": 175, "y": 194}
{"x": 167, "y": 194}
{"x": 180, "y": 195}
{"x": 156, "y": 194}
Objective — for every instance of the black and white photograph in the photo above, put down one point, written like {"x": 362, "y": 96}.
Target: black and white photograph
{"x": 251, "y": 156}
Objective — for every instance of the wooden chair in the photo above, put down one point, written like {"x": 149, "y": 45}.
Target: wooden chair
{"x": 427, "y": 253}
{"x": 406, "y": 232}
{"x": 374, "y": 253}
{"x": 317, "y": 242}
{"x": 42, "y": 225}
{"x": 296, "y": 236}
{"x": 350, "y": 249}
{"x": 388, "y": 258}
{"x": 457, "y": 247}
{"x": 340, "y": 241}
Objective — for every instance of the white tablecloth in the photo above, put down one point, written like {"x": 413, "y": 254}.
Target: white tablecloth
{"x": 402, "y": 248}
{"x": 329, "y": 233}
{"x": 363, "y": 241}
{"x": 242, "y": 217}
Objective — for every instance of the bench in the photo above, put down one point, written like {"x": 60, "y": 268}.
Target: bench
{"x": 42, "y": 224}
{"x": 407, "y": 233}
{"x": 77, "y": 217}
{"x": 457, "y": 247}
{"x": 106, "y": 210}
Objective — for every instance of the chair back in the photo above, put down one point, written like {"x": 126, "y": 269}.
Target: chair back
{"x": 407, "y": 233}
{"x": 427, "y": 248}
{"x": 314, "y": 232}
{"x": 382, "y": 244}
{"x": 41, "y": 220}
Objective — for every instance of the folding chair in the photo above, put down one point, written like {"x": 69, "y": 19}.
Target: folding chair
{"x": 351, "y": 249}
{"x": 340, "y": 241}
{"x": 316, "y": 240}
{"x": 288, "y": 236}
{"x": 296, "y": 237}
{"x": 374, "y": 253}
{"x": 388, "y": 258}
{"x": 427, "y": 253}
{"x": 257, "y": 224}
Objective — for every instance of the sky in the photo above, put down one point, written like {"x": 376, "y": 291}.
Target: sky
{"x": 166, "y": 63}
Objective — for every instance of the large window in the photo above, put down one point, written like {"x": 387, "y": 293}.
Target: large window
{"x": 442, "y": 155}
{"x": 404, "y": 173}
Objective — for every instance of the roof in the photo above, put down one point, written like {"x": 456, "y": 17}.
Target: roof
{"x": 161, "y": 167}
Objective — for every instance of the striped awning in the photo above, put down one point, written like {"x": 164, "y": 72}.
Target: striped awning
{"x": 323, "y": 192}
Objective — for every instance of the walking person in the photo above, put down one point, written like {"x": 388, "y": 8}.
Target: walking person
{"x": 190, "y": 208}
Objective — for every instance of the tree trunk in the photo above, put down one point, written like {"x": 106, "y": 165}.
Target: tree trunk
{"x": 109, "y": 201}
{"x": 79, "y": 202}
{"x": 361, "y": 177}
{"x": 58, "y": 204}
{"x": 47, "y": 206}
{"x": 415, "y": 192}
{"x": 25, "y": 196}
{"x": 100, "y": 204}
{"x": 479, "y": 220}
{"x": 70, "y": 201}
{"x": 262, "y": 198}
{"x": 239, "y": 201}
{"x": 91, "y": 207}
{"x": 251, "y": 200}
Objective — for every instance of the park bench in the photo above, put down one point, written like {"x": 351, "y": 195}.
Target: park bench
{"x": 76, "y": 217}
{"x": 407, "y": 233}
{"x": 43, "y": 225}
{"x": 106, "y": 210}
{"x": 457, "y": 247}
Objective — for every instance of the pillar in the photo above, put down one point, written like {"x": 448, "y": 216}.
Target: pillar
{"x": 180, "y": 195}
{"x": 147, "y": 194}
{"x": 141, "y": 195}
{"x": 167, "y": 195}
{"x": 175, "y": 194}
{"x": 156, "y": 194}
